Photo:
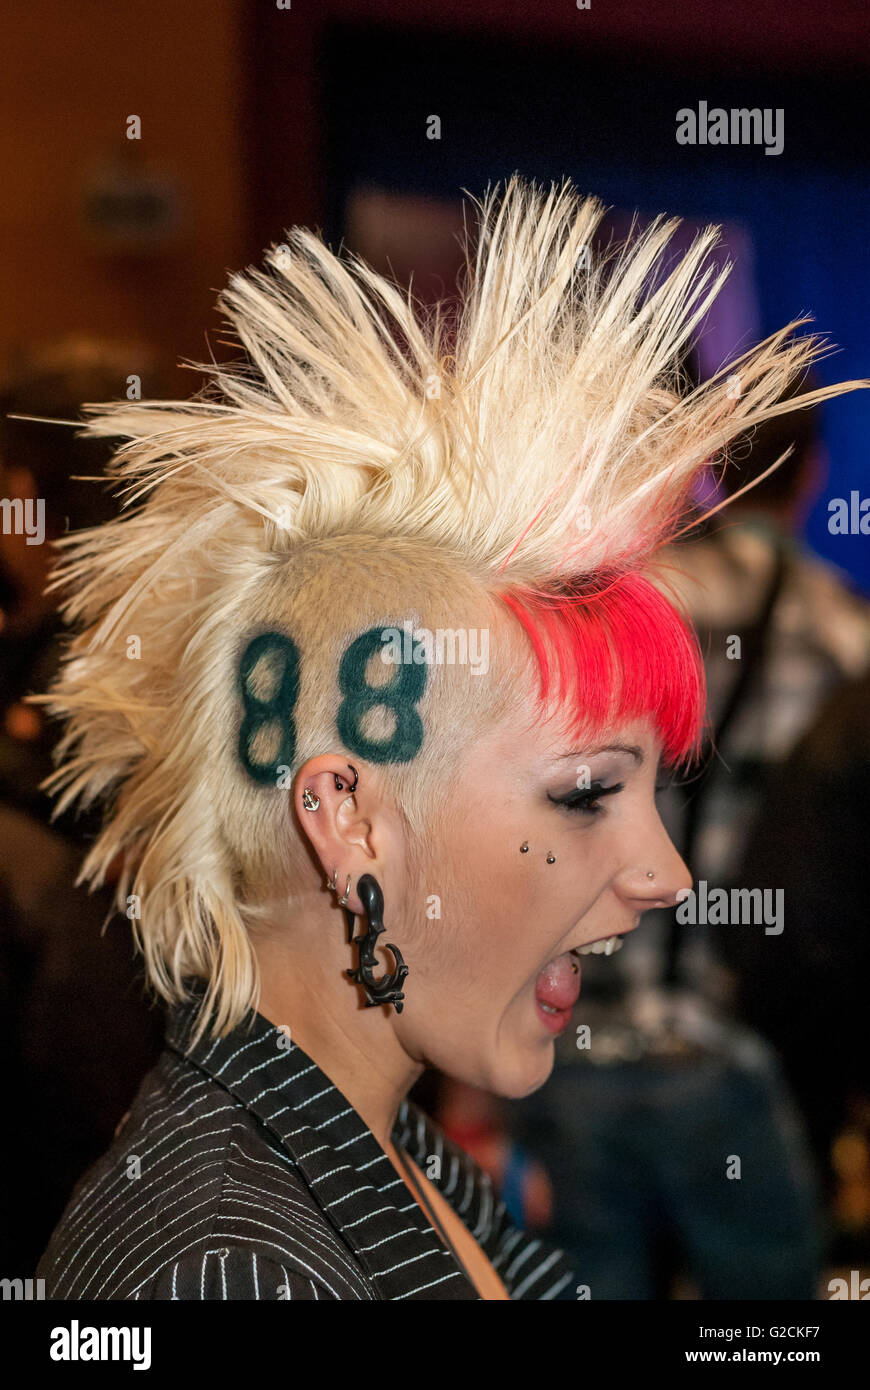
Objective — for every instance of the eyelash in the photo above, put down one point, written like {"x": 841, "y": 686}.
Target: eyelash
{"x": 586, "y": 800}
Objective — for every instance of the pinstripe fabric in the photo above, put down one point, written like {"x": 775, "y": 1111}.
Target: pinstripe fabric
{"x": 242, "y": 1172}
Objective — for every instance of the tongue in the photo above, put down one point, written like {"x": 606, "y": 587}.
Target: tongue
{"x": 557, "y": 984}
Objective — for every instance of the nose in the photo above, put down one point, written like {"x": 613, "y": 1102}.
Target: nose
{"x": 655, "y": 874}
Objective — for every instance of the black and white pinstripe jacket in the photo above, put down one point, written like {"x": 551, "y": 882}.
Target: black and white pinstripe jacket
{"x": 241, "y": 1172}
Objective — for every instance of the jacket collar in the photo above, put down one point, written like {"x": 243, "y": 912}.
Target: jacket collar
{"x": 349, "y": 1175}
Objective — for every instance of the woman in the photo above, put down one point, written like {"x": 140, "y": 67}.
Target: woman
{"x": 379, "y": 628}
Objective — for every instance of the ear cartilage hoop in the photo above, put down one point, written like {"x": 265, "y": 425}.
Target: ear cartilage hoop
{"x": 386, "y": 990}
{"x": 342, "y": 900}
{"x": 310, "y": 800}
{"x": 352, "y": 789}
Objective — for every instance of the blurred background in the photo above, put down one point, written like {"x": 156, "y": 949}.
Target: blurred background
{"x": 150, "y": 151}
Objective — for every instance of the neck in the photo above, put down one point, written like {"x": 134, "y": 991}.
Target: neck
{"x": 304, "y": 988}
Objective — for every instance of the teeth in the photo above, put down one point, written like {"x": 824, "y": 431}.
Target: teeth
{"x": 605, "y": 947}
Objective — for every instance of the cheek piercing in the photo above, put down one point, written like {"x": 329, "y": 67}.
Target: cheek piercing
{"x": 551, "y": 858}
{"x": 524, "y": 847}
{"x": 309, "y": 800}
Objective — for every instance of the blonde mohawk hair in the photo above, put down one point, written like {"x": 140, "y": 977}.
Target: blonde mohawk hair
{"x": 549, "y": 440}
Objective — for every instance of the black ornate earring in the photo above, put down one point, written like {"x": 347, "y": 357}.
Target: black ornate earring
{"x": 386, "y": 990}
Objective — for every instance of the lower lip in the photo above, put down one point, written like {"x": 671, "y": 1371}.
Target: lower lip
{"x": 555, "y": 1023}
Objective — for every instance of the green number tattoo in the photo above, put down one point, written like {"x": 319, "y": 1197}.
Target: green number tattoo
{"x": 279, "y": 652}
{"x": 400, "y": 695}
{"x": 281, "y": 656}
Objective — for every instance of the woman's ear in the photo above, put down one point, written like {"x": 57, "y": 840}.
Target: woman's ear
{"x": 327, "y": 797}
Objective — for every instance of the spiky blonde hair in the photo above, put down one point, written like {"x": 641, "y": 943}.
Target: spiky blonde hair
{"x": 362, "y": 466}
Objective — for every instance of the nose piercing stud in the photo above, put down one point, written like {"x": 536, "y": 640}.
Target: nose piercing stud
{"x": 309, "y": 800}
{"x": 524, "y": 847}
{"x": 551, "y": 858}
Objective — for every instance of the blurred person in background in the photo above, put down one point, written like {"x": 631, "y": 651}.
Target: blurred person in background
{"x": 41, "y": 470}
{"x": 76, "y": 1030}
{"x": 803, "y": 631}
{"x": 640, "y": 1118}
{"x": 810, "y": 1000}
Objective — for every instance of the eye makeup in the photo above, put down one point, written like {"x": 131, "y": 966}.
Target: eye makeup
{"x": 586, "y": 799}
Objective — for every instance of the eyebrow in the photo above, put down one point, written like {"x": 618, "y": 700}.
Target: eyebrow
{"x": 632, "y": 749}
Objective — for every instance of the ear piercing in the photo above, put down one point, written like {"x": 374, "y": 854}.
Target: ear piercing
{"x": 311, "y": 801}
{"x": 333, "y": 887}
{"x": 524, "y": 849}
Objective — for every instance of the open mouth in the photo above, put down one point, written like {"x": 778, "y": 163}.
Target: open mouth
{"x": 604, "y": 946}
{"x": 557, "y": 987}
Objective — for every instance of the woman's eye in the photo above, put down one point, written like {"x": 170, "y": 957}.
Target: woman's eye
{"x": 586, "y": 800}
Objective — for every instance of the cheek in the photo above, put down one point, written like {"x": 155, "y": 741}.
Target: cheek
{"x": 506, "y": 911}
{"x": 483, "y": 895}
